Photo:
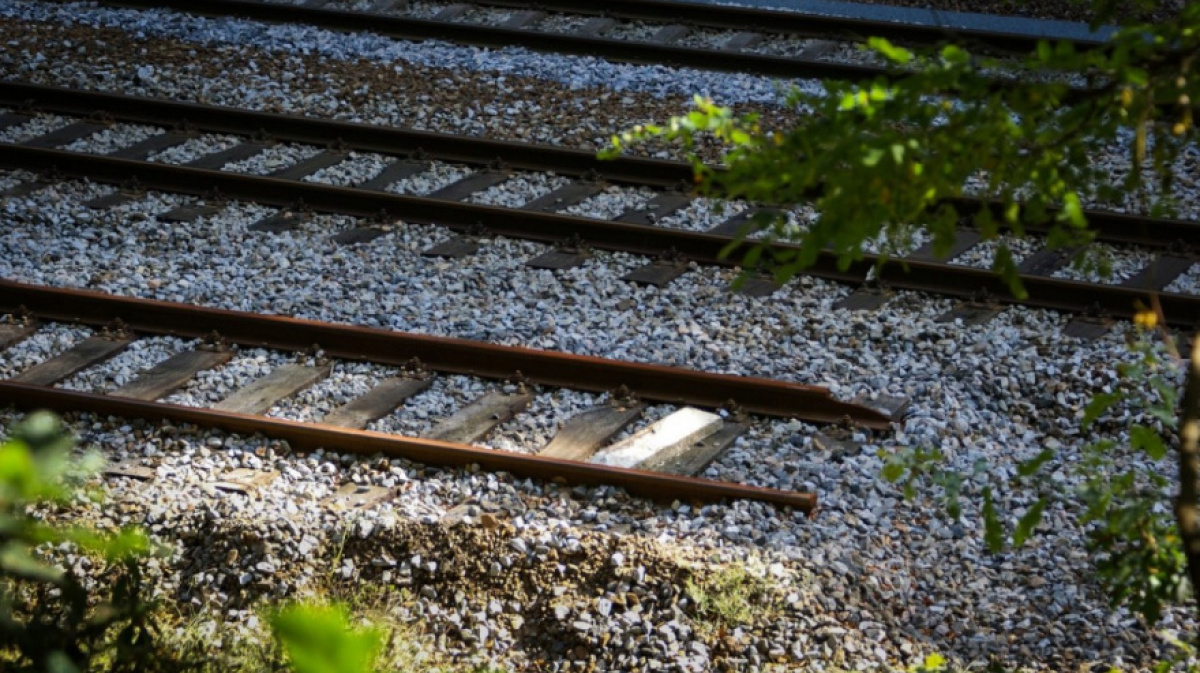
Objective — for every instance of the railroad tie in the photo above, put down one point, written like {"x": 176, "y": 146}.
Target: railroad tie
{"x": 584, "y": 433}
{"x": 477, "y": 419}
{"x": 264, "y": 393}
{"x": 377, "y": 403}
{"x": 64, "y": 135}
{"x": 663, "y": 441}
{"x": 13, "y": 333}
{"x": 172, "y": 374}
{"x": 395, "y": 172}
{"x": 89, "y": 352}
{"x": 564, "y": 197}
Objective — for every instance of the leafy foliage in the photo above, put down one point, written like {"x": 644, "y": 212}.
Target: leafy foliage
{"x": 59, "y": 627}
{"x": 319, "y": 639}
{"x": 1141, "y": 560}
{"x": 1122, "y": 510}
{"x": 883, "y": 159}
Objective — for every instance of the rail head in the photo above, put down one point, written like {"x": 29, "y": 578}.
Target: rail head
{"x": 308, "y": 437}
{"x": 671, "y": 385}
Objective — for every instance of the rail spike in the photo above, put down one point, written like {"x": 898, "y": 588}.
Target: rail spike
{"x": 214, "y": 342}
{"x": 415, "y": 369}
{"x": 116, "y": 329}
{"x": 735, "y": 411}
{"x": 317, "y": 354}
{"x": 623, "y": 397}
{"x": 22, "y": 316}
{"x": 521, "y": 381}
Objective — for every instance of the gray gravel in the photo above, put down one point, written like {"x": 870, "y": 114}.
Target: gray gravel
{"x": 871, "y": 580}
{"x": 273, "y": 158}
{"x": 39, "y": 125}
{"x": 576, "y": 72}
{"x": 1188, "y": 283}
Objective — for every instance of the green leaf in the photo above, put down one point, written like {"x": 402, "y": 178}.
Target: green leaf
{"x": 1099, "y": 404}
{"x": 893, "y": 53}
{"x": 18, "y": 473}
{"x": 993, "y": 529}
{"x": 893, "y": 470}
{"x": 1028, "y": 522}
{"x": 872, "y": 156}
{"x": 954, "y": 54}
{"x": 1034, "y": 464}
{"x": 1072, "y": 210}
{"x": 1045, "y": 52}
{"x": 1012, "y": 212}
{"x": 319, "y": 639}
{"x": 1142, "y": 437}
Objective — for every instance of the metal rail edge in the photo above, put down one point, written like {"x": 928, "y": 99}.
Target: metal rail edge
{"x": 1110, "y": 227}
{"x": 350, "y": 135}
{"x": 658, "y": 383}
{"x": 311, "y": 436}
{"x": 799, "y": 22}
{"x": 627, "y": 51}
{"x": 939, "y": 278}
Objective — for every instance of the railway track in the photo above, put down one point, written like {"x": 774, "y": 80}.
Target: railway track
{"x": 489, "y": 164}
{"x": 997, "y": 394}
{"x": 580, "y": 452}
{"x": 763, "y": 42}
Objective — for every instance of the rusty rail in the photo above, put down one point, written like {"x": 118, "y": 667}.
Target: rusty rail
{"x": 311, "y": 436}
{"x": 650, "y": 382}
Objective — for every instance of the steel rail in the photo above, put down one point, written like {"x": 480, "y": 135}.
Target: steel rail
{"x": 312, "y": 436}
{"x": 939, "y": 278}
{"x": 786, "y": 22}
{"x": 694, "y": 14}
{"x": 1109, "y": 226}
{"x": 628, "y": 51}
{"x": 657, "y": 383}
{"x": 351, "y": 135}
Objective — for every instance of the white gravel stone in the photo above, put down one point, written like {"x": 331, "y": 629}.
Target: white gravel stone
{"x": 355, "y": 169}
{"x": 420, "y": 9}
{"x": 983, "y": 253}
{"x": 421, "y": 413}
{"x": 112, "y": 139}
{"x": 612, "y": 202}
{"x": 704, "y": 38}
{"x": 125, "y": 367}
{"x": 349, "y": 5}
{"x": 10, "y": 179}
{"x": 440, "y": 174}
{"x": 639, "y": 31}
{"x": 214, "y": 385}
{"x": 703, "y": 214}
{"x": 519, "y": 190}
{"x": 50, "y": 340}
{"x": 486, "y": 16}
{"x": 1124, "y": 263}
{"x": 1187, "y": 283}
{"x": 273, "y": 158}
{"x": 194, "y": 148}
{"x": 562, "y": 23}
{"x": 532, "y": 429}
{"x": 37, "y": 126}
